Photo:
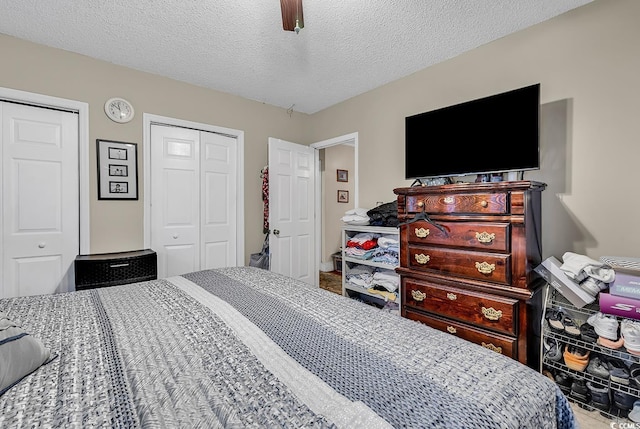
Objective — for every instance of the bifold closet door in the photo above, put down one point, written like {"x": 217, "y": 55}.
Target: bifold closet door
{"x": 40, "y": 199}
{"x": 193, "y": 188}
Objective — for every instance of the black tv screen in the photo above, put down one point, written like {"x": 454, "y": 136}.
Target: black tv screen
{"x": 494, "y": 134}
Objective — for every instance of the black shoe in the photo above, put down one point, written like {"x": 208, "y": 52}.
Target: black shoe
{"x": 598, "y": 368}
{"x": 634, "y": 375}
{"x": 588, "y": 333}
{"x": 579, "y": 391}
{"x": 618, "y": 371}
{"x": 622, "y": 400}
{"x": 599, "y": 395}
{"x": 564, "y": 381}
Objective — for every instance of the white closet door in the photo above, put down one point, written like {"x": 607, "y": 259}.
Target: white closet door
{"x": 218, "y": 196}
{"x": 40, "y": 200}
{"x": 193, "y": 199}
{"x": 175, "y": 199}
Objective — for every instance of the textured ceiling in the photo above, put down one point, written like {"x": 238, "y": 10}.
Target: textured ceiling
{"x": 347, "y": 47}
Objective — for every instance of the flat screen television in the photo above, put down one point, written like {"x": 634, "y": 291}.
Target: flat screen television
{"x": 494, "y": 134}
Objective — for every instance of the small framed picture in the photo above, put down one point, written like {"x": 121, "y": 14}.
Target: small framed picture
{"x": 343, "y": 196}
{"x": 117, "y": 170}
{"x": 343, "y": 175}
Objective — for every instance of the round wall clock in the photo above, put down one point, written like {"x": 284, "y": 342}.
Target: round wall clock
{"x": 119, "y": 110}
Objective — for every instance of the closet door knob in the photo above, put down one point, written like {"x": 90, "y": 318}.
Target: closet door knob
{"x": 175, "y": 236}
{"x": 276, "y": 232}
{"x": 42, "y": 245}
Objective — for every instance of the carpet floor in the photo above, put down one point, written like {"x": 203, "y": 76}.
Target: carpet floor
{"x": 331, "y": 281}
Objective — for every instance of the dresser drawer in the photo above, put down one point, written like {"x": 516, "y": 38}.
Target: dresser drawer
{"x": 493, "y": 267}
{"x": 487, "y": 203}
{"x": 473, "y": 235}
{"x": 496, "y": 342}
{"x": 111, "y": 269}
{"x": 484, "y": 310}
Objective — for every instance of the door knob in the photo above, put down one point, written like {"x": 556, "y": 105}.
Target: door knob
{"x": 42, "y": 245}
{"x": 276, "y": 232}
{"x": 175, "y": 236}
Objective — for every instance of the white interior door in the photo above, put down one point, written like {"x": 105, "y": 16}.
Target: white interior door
{"x": 40, "y": 200}
{"x": 291, "y": 210}
{"x": 193, "y": 206}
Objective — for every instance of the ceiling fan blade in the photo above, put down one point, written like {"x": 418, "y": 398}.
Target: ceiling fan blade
{"x": 291, "y": 10}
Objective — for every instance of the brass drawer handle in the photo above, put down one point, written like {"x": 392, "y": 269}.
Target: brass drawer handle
{"x": 421, "y": 232}
{"x": 492, "y": 347}
{"x": 452, "y": 296}
{"x": 451, "y": 329}
{"x": 422, "y": 259}
{"x": 484, "y": 203}
{"x": 491, "y": 313}
{"x": 485, "y": 237}
{"x": 449, "y": 200}
{"x": 417, "y": 295}
{"x": 485, "y": 267}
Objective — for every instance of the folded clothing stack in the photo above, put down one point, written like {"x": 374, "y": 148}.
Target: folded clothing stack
{"x": 593, "y": 276}
{"x": 356, "y": 217}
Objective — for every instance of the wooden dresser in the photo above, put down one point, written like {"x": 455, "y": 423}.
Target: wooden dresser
{"x": 469, "y": 272}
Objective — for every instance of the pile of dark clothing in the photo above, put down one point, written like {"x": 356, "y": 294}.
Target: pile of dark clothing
{"x": 384, "y": 215}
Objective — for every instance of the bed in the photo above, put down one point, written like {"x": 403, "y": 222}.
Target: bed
{"x": 245, "y": 347}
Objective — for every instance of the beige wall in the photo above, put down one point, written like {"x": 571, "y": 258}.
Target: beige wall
{"x": 587, "y": 61}
{"x": 118, "y": 225}
{"x": 335, "y": 157}
{"x": 588, "y": 64}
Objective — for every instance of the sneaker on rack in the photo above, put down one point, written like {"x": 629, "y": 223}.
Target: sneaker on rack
{"x": 618, "y": 371}
{"x": 599, "y": 396}
{"x": 598, "y": 368}
{"x": 605, "y": 325}
{"x": 630, "y": 331}
{"x": 579, "y": 391}
{"x": 553, "y": 349}
{"x": 564, "y": 381}
{"x": 634, "y": 415}
{"x": 588, "y": 333}
{"x": 576, "y": 358}
{"x": 634, "y": 375}
{"x": 623, "y": 400}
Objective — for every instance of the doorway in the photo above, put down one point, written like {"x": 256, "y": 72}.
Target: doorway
{"x": 339, "y": 153}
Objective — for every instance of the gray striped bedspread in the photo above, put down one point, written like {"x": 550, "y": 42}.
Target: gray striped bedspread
{"x": 244, "y": 347}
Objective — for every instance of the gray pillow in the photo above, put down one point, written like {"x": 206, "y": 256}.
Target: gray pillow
{"x": 20, "y": 353}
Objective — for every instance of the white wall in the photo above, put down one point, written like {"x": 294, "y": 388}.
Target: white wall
{"x": 588, "y": 64}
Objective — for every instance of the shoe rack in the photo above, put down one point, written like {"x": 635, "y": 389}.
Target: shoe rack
{"x": 554, "y": 300}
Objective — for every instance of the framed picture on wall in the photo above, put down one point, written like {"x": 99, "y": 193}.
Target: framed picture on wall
{"x": 117, "y": 170}
{"x": 343, "y": 196}
{"x": 343, "y": 175}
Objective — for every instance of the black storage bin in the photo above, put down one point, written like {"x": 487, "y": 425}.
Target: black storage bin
{"x": 111, "y": 269}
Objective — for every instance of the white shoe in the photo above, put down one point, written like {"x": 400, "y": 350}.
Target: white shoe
{"x": 593, "y": 287}
{"x": 605, "y": 325}
{"x": 630, "y": 331}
